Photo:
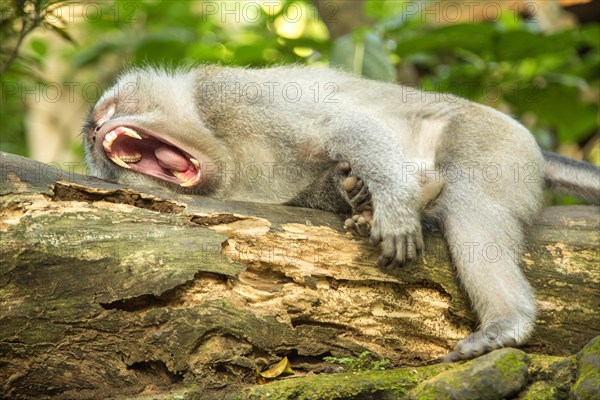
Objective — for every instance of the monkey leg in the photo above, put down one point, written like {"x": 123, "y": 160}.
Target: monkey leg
{"x": 483, "y": 237}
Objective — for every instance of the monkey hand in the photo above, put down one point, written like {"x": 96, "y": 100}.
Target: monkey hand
{"x": 399, "y": 232}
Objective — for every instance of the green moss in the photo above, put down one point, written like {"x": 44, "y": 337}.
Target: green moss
{"x": 552, "y": 372}
{"x": 588, "y": 372}
{"x": 539, "y": 391}
{"x": 366, "y": 361}
{"x": 374, "y": 384}
{"x": 499, "y": 374}
{"x": 592, "y": 348}
{"x": 510, "y": 366}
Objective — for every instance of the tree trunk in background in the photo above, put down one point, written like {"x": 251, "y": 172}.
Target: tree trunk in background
{"x": 108, "y": 290}
{"x": 341, "y": 16}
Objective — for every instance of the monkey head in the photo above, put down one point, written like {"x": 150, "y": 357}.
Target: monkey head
{"x": 146, "y": 127}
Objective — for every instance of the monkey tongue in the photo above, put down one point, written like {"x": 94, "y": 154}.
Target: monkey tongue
{"x": 171, "y": 159}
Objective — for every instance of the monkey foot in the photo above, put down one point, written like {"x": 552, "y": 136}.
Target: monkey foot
{"x": 358, "y": 196}
{"x": 494, "y": 336}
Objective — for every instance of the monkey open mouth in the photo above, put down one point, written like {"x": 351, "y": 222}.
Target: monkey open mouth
{"x": 152, "y": 156}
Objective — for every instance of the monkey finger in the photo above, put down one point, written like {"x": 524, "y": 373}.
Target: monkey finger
{"x": 388, "y": 247}
{"x": 349, "y": 184}
{"x": 419, "y": 242}
{"x": 388, "y": 264}
{"x": 345, "y": 167}
{"x": 359, "y": 184}
{"x": 452, "y": 357}
{"x": 357, "y": 226}
{"x": 401, "y": 249}
{"x": 411, "y": 250}
{"x": 357, "y": 193}
{"x": 375, "y": 238}
{"x": 362, "y": 200}
{"x": 363, "y": 230}
{"x": 367, "y": 215}
{"x": 349, "y": 223}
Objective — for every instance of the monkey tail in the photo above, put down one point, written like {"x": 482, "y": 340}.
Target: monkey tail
{"x": 577, "y": 178}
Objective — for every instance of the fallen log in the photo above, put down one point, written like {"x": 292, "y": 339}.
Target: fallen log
{"x": 108, "y": 290}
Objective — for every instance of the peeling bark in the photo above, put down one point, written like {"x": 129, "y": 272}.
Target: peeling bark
{"x": 107, "y": 290}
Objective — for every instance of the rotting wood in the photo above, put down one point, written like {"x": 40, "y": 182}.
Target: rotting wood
{"x": 112, "y": 290}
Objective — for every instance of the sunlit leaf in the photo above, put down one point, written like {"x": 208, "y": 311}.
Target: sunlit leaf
{"x": 381, "y": 9}
{"x": 364, "y": 55}
{"x": 283, "y": 367}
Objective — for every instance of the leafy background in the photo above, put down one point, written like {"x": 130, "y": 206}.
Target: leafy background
{"x": 533, "y": 60}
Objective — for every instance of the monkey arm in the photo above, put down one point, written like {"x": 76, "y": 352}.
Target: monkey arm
{"x": 377, "y": 158}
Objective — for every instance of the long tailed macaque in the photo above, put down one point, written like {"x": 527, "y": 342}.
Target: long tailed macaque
{"x": 280, "y": 134}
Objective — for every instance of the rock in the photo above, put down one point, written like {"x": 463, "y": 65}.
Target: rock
{"x": 541, "y": 390}
{"x": 587, "y": 385}
{"x": 551, "y": 377}
{"x": 497, "y": 375}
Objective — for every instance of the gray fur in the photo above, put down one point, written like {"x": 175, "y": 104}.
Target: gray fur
{"x": 391, "y": 135}
{"x": 574, "y": 177}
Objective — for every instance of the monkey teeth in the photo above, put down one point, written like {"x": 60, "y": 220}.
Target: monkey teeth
{"x": 130, "y": 132}
{"x": 108, "y": 141}
{"x": 186, "y": 182}
{"x": 110, "y": 137}
{"x": 120, "y": 162}
{"x": 131, "y": 158}
{"x": 151, "y": 156}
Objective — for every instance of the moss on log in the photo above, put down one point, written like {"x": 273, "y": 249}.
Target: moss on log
{"x": 107, "y": 290}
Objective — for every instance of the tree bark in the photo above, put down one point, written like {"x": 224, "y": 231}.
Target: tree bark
{"x": 342, "y": 17}
{"x": 108, "y": 290}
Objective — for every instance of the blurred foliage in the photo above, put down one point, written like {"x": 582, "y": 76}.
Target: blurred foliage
{"x": 18, "y": 18}
{"x": 550, "y": 81}
{"x": 366, "y": 361}
{"x": 547, "y": 75}
{"x": 183, "y": 32}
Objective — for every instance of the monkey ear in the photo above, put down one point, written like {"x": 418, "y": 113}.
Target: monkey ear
{"x": 104, "y": 112}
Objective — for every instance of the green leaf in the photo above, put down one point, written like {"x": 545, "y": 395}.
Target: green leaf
{"x": 380, "y": 9}
{"x": 559, "y": 107}
{"x": 517, "y": 45}
{"x": 589, "y": 35}
{"x": 252, "y": 53}
{"x": 61, "y": 31}
{"x": 39, "y": 47}
{"x": 364, "y": 55}
{"x": 92, "y": 54}
{"x": 476, "y": 38}
{"x": 168, "y": 45}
